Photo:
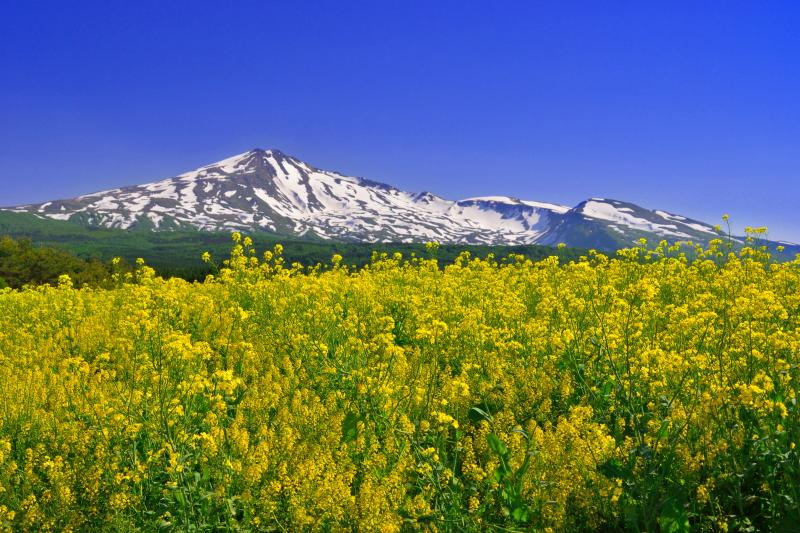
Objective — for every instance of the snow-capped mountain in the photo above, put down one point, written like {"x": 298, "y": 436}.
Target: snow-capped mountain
{"x": 267, "y": 190}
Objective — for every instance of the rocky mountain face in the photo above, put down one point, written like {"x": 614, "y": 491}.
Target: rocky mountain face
{"x": 267, "y": 190}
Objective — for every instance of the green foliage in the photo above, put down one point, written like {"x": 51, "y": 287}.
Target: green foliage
{"x": 510, "y": 481}
{"x": 674, "y": 518}
{"x": 175, "y": 253}
{"x": 23, "y": 263}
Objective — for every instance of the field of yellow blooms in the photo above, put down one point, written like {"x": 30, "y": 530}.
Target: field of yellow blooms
{"x": 645, "y": 391}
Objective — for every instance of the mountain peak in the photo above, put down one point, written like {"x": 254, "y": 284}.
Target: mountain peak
{"x": 258, "y": 154}
{"x": 253, "y": 161}
{"x": 266, "y": 152}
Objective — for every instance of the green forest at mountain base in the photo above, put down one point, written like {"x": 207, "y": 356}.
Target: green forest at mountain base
{"x": 37, "y": 250}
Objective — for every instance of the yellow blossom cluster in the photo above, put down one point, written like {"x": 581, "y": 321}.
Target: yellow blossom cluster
{"x": 651, "y": 389}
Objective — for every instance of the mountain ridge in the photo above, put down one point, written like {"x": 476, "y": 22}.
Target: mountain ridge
{"x": 268, "y": 190}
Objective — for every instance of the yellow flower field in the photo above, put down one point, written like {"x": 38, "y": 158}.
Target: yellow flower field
{"x": 640, "y": 391}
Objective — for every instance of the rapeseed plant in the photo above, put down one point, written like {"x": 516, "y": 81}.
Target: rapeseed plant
{"x": 651, "y": 390}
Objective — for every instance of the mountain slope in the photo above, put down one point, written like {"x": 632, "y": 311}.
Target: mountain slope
{"x": 267, "y": 190}
{"x": 609, "y": 224}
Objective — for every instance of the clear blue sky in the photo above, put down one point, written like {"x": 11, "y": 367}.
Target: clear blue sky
{"x": 690, "y": 107}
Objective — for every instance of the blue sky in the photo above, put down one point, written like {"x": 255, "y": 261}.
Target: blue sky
{"x": 690, "y": 107}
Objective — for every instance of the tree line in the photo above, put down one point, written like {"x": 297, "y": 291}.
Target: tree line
{"x": 22, "y": 263}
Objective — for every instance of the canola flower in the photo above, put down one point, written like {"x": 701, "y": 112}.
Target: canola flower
{"x": 644, "y": 391}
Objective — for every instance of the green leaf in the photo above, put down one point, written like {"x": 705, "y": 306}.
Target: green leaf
{"x": 520, "y": 514}
{"x": 664, "y": 429}
{"x": 349, "y": 427}
{"x": 674, "y": 518}
{"x": 476, "y": 414}
{"x": 523, "y": 468}
{"x": 497, "y": 445}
